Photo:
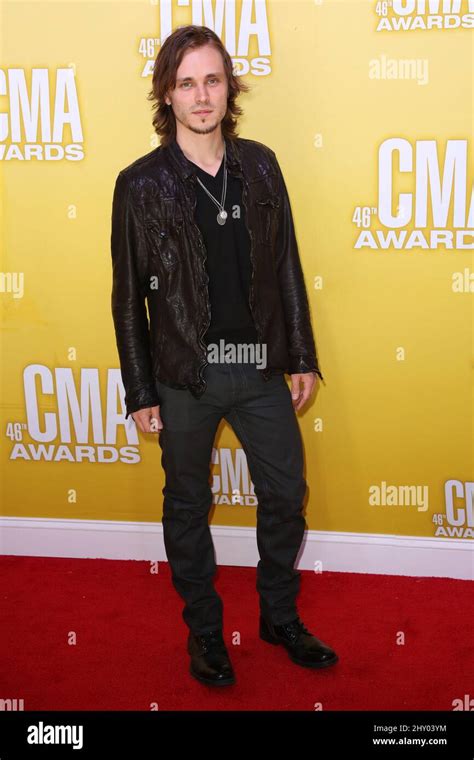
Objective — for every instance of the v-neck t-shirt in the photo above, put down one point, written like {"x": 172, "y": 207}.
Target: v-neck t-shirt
{"x": 228, "y": 259}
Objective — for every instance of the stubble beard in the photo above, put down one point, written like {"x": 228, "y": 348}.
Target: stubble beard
{"x": 205, "y": 129}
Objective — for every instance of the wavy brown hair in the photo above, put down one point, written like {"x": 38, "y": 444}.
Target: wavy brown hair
{"x": 166, "y": 65}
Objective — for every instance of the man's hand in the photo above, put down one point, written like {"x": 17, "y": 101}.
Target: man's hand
{"x": 300, "y": 397}
{"x": 148, "y": 420}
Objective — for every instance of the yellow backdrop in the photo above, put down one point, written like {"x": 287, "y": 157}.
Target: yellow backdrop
{"x": 369, "y": 108}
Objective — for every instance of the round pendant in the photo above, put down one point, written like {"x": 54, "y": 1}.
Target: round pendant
{"x": 222, "y": 216}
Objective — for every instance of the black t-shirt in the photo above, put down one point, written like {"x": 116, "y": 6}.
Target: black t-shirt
{"x": 228, "y": 259}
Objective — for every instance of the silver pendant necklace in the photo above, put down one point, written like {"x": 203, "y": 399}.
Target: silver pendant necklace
{"x": 222, "y": 215}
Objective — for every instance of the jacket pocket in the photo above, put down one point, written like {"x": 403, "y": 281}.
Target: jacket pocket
{"x": 164, "y": 239}
{"x": 267, "y": 211}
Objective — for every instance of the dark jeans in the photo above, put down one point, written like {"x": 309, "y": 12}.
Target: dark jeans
{"x": 262, "y": 416}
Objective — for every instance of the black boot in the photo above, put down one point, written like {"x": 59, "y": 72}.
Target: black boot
{"x": 210, "y": 661}
{"x": 303, "y": 648}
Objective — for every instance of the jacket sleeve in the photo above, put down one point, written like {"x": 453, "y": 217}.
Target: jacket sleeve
{"x": 128, "y": 303}
{"x": 301, "y": 343}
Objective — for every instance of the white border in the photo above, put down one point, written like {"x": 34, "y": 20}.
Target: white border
{"x": 381, "y": 554}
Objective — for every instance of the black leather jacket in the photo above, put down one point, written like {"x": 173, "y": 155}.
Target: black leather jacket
{"x": 158, "y": 258}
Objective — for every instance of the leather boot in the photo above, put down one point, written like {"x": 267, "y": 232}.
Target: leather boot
{"x": 210, "y": 661}
{"x": 303, "y": 648}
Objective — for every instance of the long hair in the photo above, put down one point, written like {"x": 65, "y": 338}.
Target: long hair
{"x": 166, "y": 65}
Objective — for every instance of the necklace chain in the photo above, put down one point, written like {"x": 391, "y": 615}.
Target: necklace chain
{"x": 222, "y": 215}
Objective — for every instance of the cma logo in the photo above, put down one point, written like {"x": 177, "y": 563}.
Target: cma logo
{"x": 462, "y": 514}
{"x": 231, "y": 482}
{"x": 76, "y": 407}
{"x": 441, "y": 197}
{"x": 426, "y": 15}
{"x": 242, "y": 27}
{"x": 437, "y": 7}
{"x": 42, "y": 118}
{"x": 458, "y": 519}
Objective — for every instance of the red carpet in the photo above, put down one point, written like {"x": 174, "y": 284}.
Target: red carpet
{"x": 130, "y": 649}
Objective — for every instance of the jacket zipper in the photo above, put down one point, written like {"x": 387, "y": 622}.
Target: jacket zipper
{"x": 206, "y": 280}
{"x": 252, "y": 259}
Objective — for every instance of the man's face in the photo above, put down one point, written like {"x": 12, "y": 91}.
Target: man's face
{"x": 201, "y": 85}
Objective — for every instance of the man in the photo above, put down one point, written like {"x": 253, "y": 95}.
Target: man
{"x": 202, "y": 230}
